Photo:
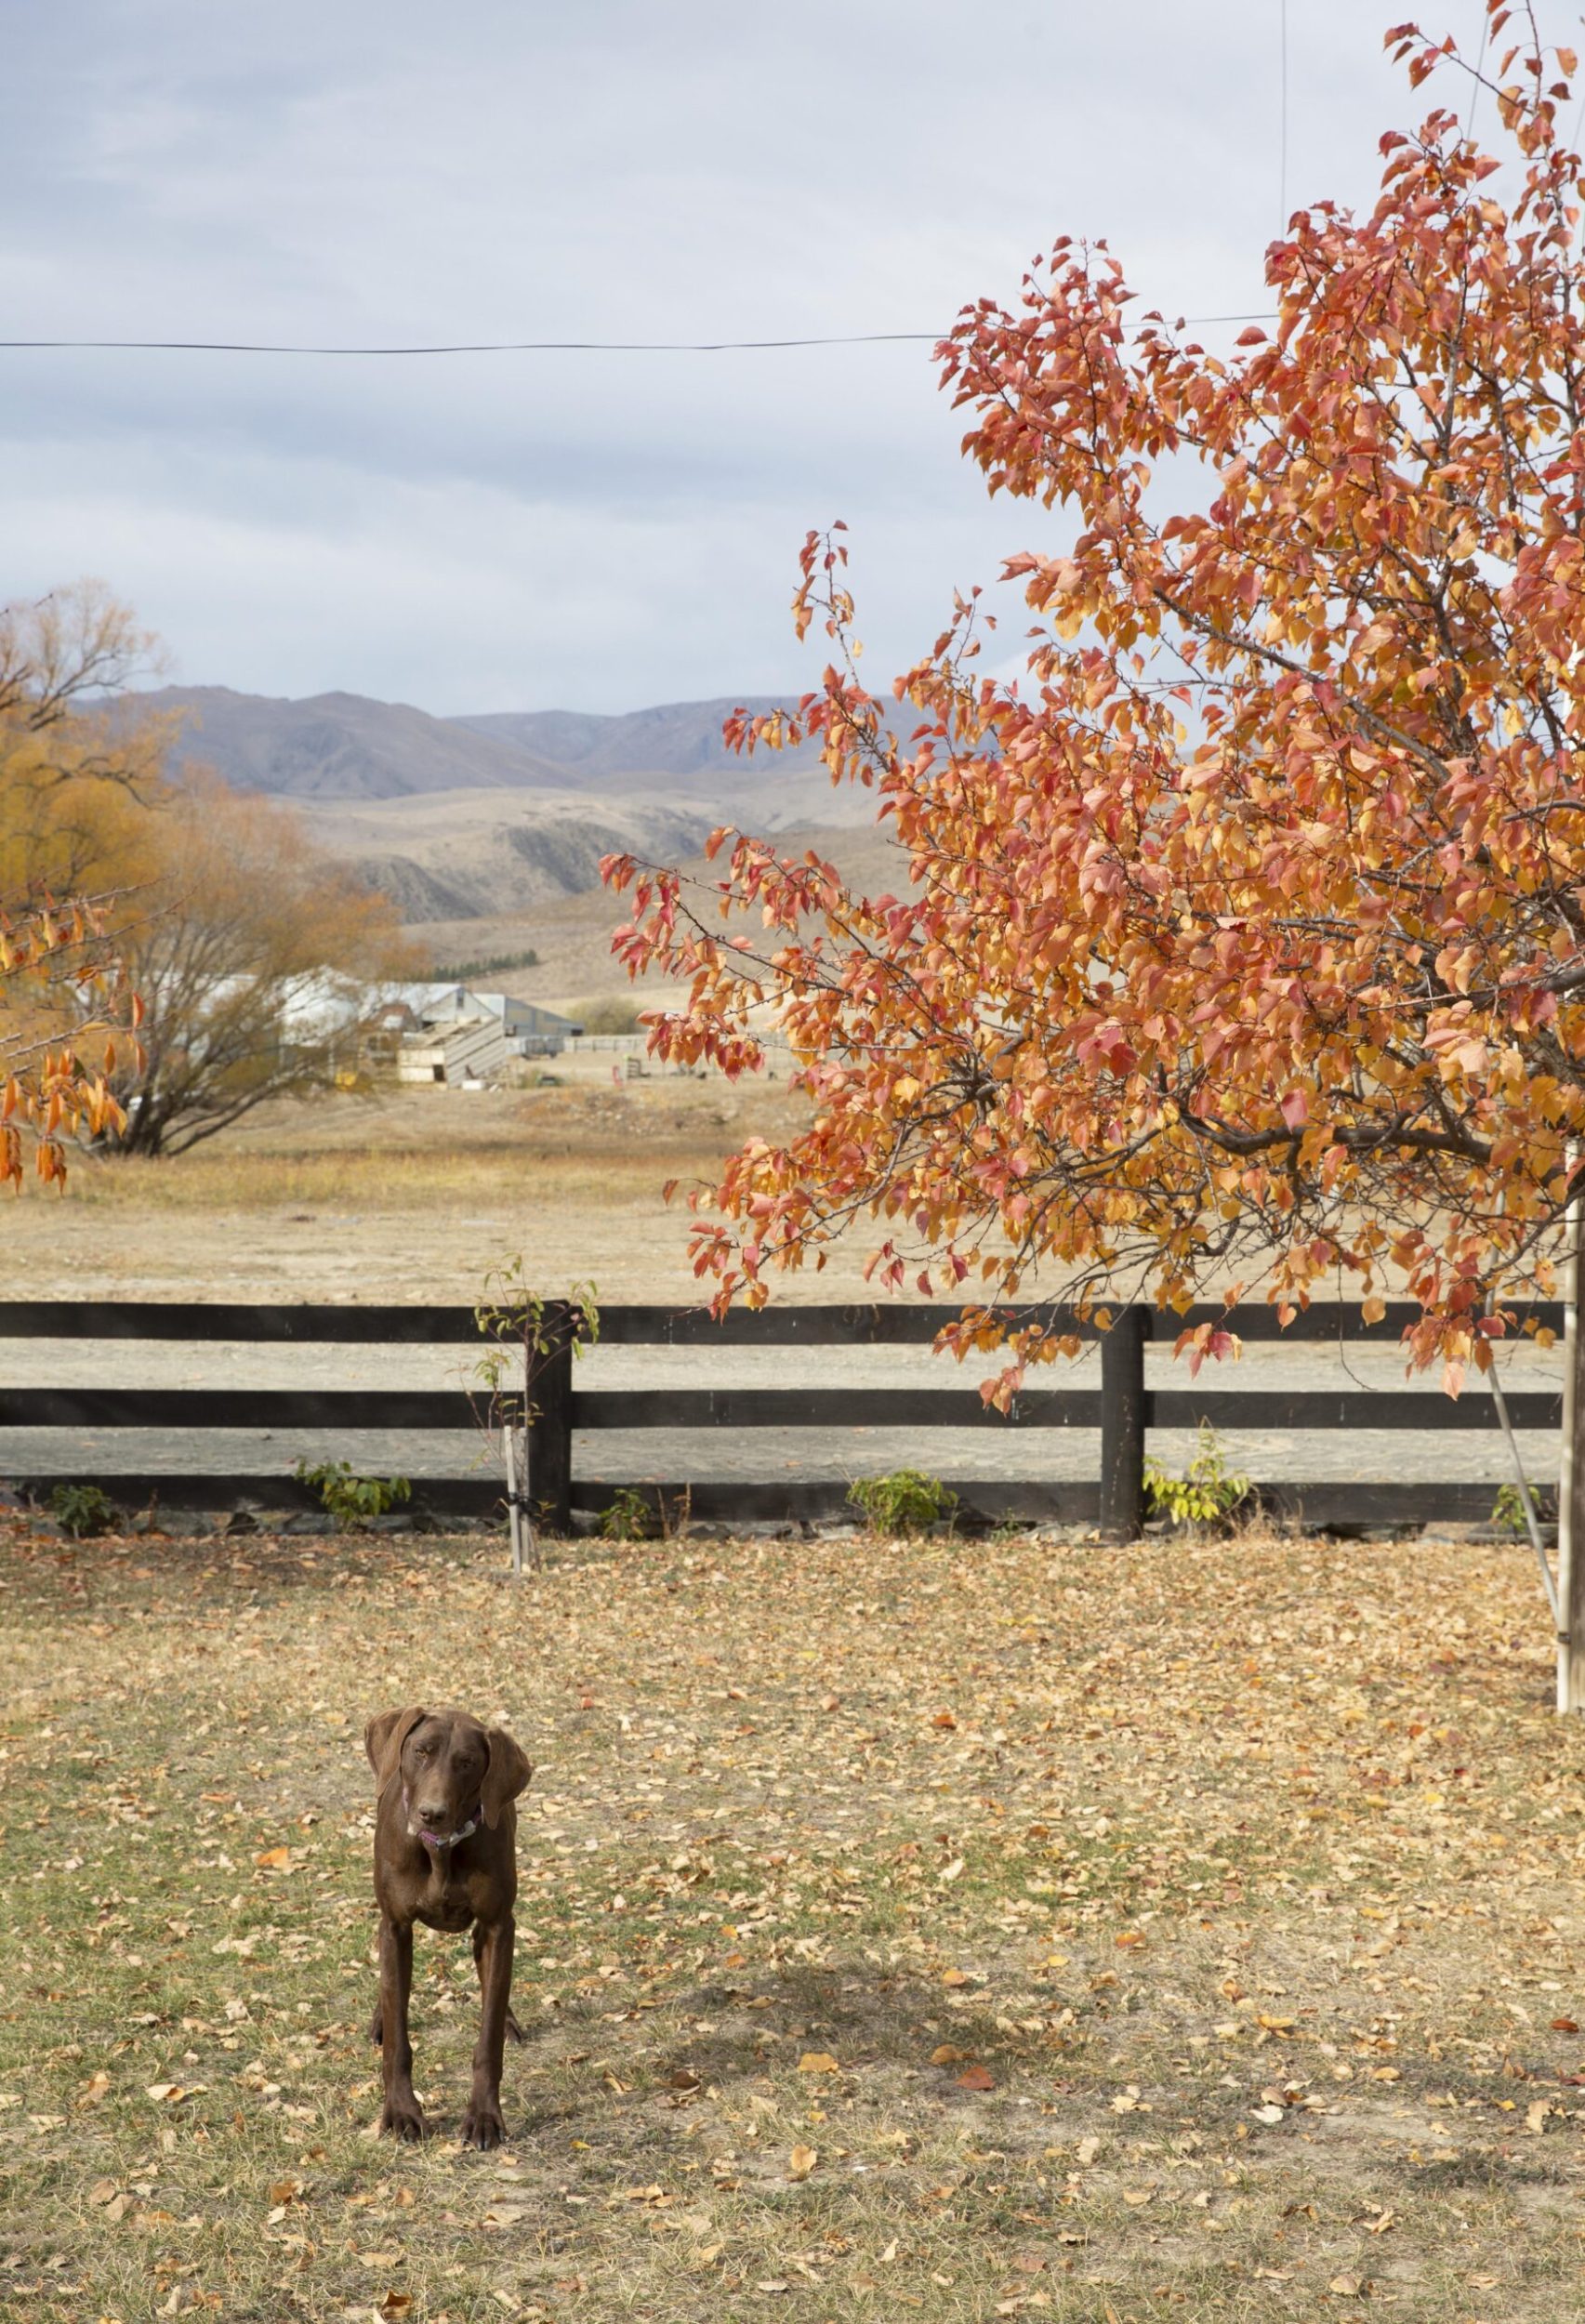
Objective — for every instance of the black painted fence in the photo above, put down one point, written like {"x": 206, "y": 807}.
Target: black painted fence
{"x": 1122, "y": 1408}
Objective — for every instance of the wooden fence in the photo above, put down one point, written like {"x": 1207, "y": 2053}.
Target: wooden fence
{"x": 1122, "y": 1408}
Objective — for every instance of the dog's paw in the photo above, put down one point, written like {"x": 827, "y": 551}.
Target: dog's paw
{"x": 481, "y": 2125}
{"x": 514, "y": 2031}
{"x": 404, "y": 2117}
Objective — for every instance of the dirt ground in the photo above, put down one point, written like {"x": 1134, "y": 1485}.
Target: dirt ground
{"x": 1028, "y": 1930}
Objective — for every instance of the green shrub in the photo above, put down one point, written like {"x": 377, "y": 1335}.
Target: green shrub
{"x": 1508, "y": 1510}
{"x": 80, "y": 1509}
{"x": 350, "y": 1499}
{"x": 902, "y": 1505}
{"x": 1208, "y": 1491}
{"x": 630, "y": 1517}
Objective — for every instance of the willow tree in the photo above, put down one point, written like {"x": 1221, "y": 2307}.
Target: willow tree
{"x": 259, "y": 961}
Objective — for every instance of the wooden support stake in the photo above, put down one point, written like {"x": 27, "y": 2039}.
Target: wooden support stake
{"x": 514, "y": 1497}
{"x": 1122, "y": 1425}
{"x": 1571, "y": 1489}
{"x": 549, "y": 1435}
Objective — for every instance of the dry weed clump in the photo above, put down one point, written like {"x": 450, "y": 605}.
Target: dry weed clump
{"x": 961, "y": 1931}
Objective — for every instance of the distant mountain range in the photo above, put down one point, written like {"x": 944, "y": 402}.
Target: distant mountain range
{"x": 453, "y": 855}
{"x": 348, "y": 746}
{"x": 477, "y": 817}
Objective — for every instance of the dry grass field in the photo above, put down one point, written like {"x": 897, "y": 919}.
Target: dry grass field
{"x": 930, "y": 1931}
{"x": 407, "y": 1194}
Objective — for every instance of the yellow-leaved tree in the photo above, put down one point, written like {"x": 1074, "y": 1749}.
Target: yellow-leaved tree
{"x": 254, "y": 959}
{"x": 68, "y": 1013}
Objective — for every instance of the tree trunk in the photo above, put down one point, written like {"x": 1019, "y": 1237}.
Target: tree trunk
{"x": 144, "y": 1134}
{"x": 1122, "y": 1425}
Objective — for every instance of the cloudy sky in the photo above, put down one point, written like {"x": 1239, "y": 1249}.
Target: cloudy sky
{"x": 591, "y": 531}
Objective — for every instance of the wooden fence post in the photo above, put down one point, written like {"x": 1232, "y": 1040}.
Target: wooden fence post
{"x": 549, "y": 1434}
{"x": 1122, "y": 1425}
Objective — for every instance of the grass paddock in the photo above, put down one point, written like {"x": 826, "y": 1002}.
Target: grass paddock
{"x": 938, "y": 1931}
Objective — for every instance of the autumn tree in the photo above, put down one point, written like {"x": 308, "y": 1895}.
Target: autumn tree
{"x": 65, "y": 1008}
{"x": 75, "y": 766}
{"x": 1243, "y": 943}
{"x": 252, "y": 956}
{"x": 67, "y": 1012}
{"x": 257, "y": 961}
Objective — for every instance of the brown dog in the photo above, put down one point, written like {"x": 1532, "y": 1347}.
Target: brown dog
{"x": 445, "y": 1854}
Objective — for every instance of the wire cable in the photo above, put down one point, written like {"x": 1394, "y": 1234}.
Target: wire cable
{"x": 510, "y": 346}
{"x": 1282, "y": 116}
{"x": 1475, "y": 88}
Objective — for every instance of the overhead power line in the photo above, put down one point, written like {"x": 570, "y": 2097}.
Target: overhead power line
{"x": 510, "y": 346}
{"x": 1282, "y": 138}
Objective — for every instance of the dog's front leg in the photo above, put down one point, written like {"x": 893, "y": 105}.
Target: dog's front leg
{"x": 481, "y": 2125}
{"x": 400, "y": 2113}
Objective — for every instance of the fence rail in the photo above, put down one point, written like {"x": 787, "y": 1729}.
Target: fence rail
{"x": 1122, "y": 1408}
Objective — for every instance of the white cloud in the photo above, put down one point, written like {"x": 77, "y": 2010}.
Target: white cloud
{"x": 591, "y": 531}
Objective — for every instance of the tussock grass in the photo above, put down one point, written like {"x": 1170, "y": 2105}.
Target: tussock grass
{"x": 367, "y": 1182}
{"x": 930, "y": 1930}
{"x": 406, "y": 1150}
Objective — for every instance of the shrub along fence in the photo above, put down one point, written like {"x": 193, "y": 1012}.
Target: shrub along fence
{"x": 1122, "y": 1408}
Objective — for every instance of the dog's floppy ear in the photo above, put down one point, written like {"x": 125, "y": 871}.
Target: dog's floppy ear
{"x": 384, "y": 1736}
{"x": 507, "y": 1775}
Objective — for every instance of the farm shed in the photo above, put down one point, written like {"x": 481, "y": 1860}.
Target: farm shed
{"x": 454, "y": 1035}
